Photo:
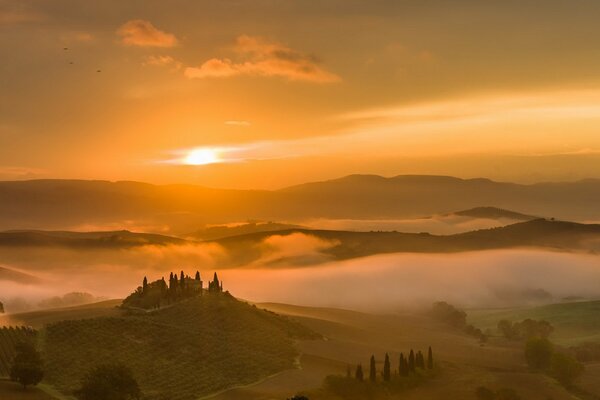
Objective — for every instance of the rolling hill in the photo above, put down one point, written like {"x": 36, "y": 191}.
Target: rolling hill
{"x": 64, "y": 204}
{"x": 16, "y": 238}
{"x": 538, "y": 233}
{"x": 193, "y": 348}
{"x": 337, "y": 245}
{"x": 493, "y": 213}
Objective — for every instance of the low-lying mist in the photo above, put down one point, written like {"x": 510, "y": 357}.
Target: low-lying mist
{"x": 285, "y": 271}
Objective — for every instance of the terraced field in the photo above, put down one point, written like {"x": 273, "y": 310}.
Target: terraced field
{"x": 194, "y": 348}
{"x": 9, "y": 337}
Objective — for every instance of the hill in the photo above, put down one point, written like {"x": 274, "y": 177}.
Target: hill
{"x": 494, "y": 213}
{"x": 64, "y": 204}
{"x": 104, "y": 239}
{"x": 37, "y": 319}
{"x": 8, "y": 274}
{"x": 538, "y": 233}
{"x": 574, "y": 322}
{"x": 193, "y": 348}
{"x": 222, "y": 231}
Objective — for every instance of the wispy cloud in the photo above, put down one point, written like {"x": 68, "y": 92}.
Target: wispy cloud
{"x": 259, "y": 57}
{"x": 142, "y": 33}
{"x": 237, "y": 123}
{"x": 163, "y": 61}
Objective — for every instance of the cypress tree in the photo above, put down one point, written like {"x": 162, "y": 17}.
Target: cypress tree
{"x": 402, "y": 367}
{"x": 182, "y": 281}
{"x": 429, "y": 359}
{"x": 359, "y": 373}
{"x": 387, "y": 375}
{"x": 411, "y": 361}
{"x": 420, "y": 361}
{"x": 197, "y": 275}
{"x": 372, "y": 370}
{"x": 145, "y": 285}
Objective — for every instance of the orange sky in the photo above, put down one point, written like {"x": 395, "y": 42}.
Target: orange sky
{"x": 265, "y": 93}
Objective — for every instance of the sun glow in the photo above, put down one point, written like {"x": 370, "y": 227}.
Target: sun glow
{"x": 202, "y": 156}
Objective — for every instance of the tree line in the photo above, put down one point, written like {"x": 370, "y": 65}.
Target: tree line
{"x": 406, "y": 366}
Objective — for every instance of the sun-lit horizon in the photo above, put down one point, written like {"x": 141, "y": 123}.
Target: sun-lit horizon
{"x": 253, "y": 100}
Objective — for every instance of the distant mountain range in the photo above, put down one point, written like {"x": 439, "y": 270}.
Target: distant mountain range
{"x": 65, "y": 204}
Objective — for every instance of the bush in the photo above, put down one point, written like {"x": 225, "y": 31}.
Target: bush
{"x": 565, "y": 368}
{"x": 27, "y": 365}
{"x": 538, "y": 353}
{"x": 449, "y": 314}
{"x": 109, "y": 382}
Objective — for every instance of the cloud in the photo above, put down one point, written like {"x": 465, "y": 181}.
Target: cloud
{"x": 259, "y": 57}
{"x": 143, "y": 34}
{"x": 237, "y": 123}
{"x": 78, "y": 36}
{"x": 163, "y": 61}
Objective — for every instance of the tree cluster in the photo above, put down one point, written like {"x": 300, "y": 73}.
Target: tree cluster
{"x": 109, "y": 382}
{"x": 158, "y": 293}
{"x": 457, "y": 318}
{"x": 525, "y": 329}
{"x": 407, "y": 365}
{"x": 540, "y": 355}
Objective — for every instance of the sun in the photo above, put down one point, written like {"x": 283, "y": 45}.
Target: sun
{"x": 202, "y": 157}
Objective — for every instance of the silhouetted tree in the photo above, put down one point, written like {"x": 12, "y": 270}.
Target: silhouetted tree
{"x": 411, "y": 361}
{"x": 27, "y": 365}
{"x": 109, "y": 382}
{"x": 403, "y": 366}
{"x": 145, "y": 285}
{"x": 372, "y": 370}
{"x": 538, "y": 353}
{"x": 429, "y": 358}
{"x": 197, "y": 275}
{"x": 565, "y": 368}
{"x": 420, "y": 360}
{"x": 359, "y": 373}
{"x": 387, "y": 374}
{"x": 182, "y": 281}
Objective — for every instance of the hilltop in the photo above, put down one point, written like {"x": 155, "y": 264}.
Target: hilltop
{"x": 494, "y": 213}
{"x": 63, "y": 204}
{"x": 191, "y": 347}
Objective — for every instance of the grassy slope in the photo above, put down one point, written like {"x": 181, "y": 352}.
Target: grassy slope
{"x": 352, "y": 337}
{"x": 574, "y": 322}
{"x": 194, "y": 348}
{"x": 37, "y": 319}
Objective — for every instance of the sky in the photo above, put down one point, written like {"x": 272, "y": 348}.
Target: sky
{"x": 269, "y": 93}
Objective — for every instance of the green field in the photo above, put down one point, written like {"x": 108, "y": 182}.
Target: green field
{"x": 196, "y": 347}
{"x": 574, "y": 322}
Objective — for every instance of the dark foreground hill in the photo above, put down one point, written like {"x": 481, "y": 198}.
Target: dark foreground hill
{"x": 63, "y": 204}
{"x": 193, "y": 348}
